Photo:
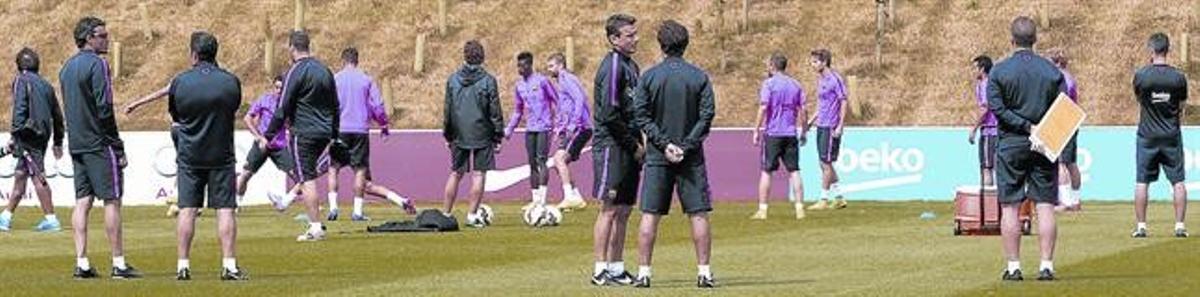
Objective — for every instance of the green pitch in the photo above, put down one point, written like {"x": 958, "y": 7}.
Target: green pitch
{"x": 869, "y": 249}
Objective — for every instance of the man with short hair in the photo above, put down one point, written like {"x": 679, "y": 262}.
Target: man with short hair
{"x": 360, "y": 103}
{"x": 617, "y": 150}
{"x": 574, "y": 128}
{"x": 1020, "y": 91}
{"x": 830, "y": 119}
{"x": 36, "y": 118}
{"x": 97, "y": 153}
{"x": 985, "y": 124}
{"x": 534, "y": 95}
{"x": 203, "y": 103}
{"x": 309, "y": 107}
{"x": 781, "y": 102}
{"x": 257, "y": 119}
{"x": 675, "y": 106}
{"x": 1161, "y": 90}
{"x": 473, "y": 128}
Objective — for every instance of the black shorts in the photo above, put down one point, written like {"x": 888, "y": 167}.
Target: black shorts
{"x": 617, "y": 173}
{"x": 1153, "y": 153}
{"x": 281, "y": 157}
{"x": 780, "y": 149}
{"x": 537, "y": 150}
{"x": 307, "y": 152}
{"x": 100, "y": 173}
{"x": 479, "y": 159}
{"x": 573, "y": 143}
{"x": 987, "y": 151}
{"x": 1022, "y": 173}
{"x": 31, "y": 157}
{"x": 1068, "y": 153}
{"x": 218, "y": 184}
{"x": 353, "y": 151}
{"x": 828, "y": 147}
{"x": 689, "y": 181}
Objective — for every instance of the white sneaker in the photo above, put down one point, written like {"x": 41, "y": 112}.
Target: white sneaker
{"x": 311, "y": 235}
{"x": 572, "y": 203}
{"x": 276, "y": 201}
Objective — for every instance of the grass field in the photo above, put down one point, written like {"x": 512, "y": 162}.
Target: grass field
{"x": 869, "y": 249}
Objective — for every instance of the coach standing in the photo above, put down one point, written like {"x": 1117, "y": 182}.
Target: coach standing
{"x": 1020, "y": 91}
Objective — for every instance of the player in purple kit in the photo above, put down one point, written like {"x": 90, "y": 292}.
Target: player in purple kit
{"x": 277, "y": 151}
{"x": 573, "y": 130}
{"x": 782, "y": 101}
{"x": 830, "y": 119}
{"x": 986, "y": 124}
{"x": 535, "y": 96}
{"x": 360, "y": 103}
{"x": 1069, "y": 178}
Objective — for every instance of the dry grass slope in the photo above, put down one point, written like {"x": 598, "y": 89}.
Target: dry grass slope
{"x": 923, "y": 81}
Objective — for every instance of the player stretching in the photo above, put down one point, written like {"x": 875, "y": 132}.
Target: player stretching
{"x": 536, "y": 96}
{"x": 1069, "y": 181}
{"x": 473, "y": 128}
{"x": 35, "y": 119}
{"x": 360, "y": 103}
{"x": 1161, "y": 90}
{"x": 781, "y": 101}
{"x": 986, "y": 124}
{"x": 675, "y": 107}
{"x": 574, "y": 128}
{"x": 830, "y": 119}
{"x": 97, "y": 153}
{"x": 259, "y": 117}
{"x": 617, "y": 150}
{"x": 309, "y": 107}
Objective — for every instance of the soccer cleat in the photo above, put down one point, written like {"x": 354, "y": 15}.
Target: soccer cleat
{"x": 600, "y": 279}
{"x": 128, "y": 273}
{"x": 642, "y": 282}
{"x": 623, "y": 279}
{"x": 276, "y": 202}
{"x": 47, "y": 226}
{"x": 705, "y": 281}
{"x": 571, "y": 204}
{"x": 85, "y": 274}
{"x": 239, "y": 275}
{"x": 311, "y": 235}
{"x": 183, "y": 275}
{"x": 761, "y": 214}
{"x": 1013, "y": 276}
{"x": 839, "y": 203}
{"x": 1181, "y": 233}
{"x": 799, "y": 211}
{"x": 820, "y": 205}
{"x": 1046, "y": 275}
{"x": 1139, "y": 233}
{"x": 333, "y": 215}
{"x": 359, "y": 217}
{"x": 5, "y": 224}
{"x": 409, "y": 208}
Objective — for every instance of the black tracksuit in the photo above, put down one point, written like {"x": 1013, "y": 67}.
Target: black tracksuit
{"x": 36, "y": 119}
{"x": 203, "y": 103}
{"x": 309, "y": 106}
{"x": 675, "y": 104}
{"x": 96, "y": 148}
{"x": 472, "y": 123}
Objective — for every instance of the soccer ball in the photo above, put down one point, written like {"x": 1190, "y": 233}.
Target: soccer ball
{"x": 542, "y": 216}
{"x": 485, "y": 214}
{"x": 554, "y": 216}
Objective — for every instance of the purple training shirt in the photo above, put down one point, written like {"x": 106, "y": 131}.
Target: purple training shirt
{"x": 988, "y": 127}
{"x": 264, "y": 109}
{"x": 535, "y": 96}
{"x": 359, "y": 101}
{"x": 1069, "y": 82}
{"x": 831, "y": 95}
{"x": 573, "y": 112}
{"x": 783, "y": 98}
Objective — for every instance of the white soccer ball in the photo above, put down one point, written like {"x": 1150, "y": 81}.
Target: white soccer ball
{"x": 554, "y": 216}
{"x": 535, "y": 216}
{"x": 485, "y": 214}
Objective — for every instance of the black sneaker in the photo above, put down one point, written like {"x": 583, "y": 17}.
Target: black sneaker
{"x": 600, "y": 279}
{"x": 1046, "y": 275}
{"x": 183, "y": 274}
{"x": 127, "y": 273}
{"x": 240, "y": 275}
{"x": 1181, "y": 233}
{"x": 623, "y": 279}
{"x": 1013, "y": 276}
{"x": 85, "y": 274}
{"x": 705, "y": 281}
{"x": 642, "y": 282}
{"x": 1139, "y": 233}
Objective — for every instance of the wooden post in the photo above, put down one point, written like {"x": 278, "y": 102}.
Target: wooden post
{"x": 745, "y": 25}
{"x": 1183, "y": 50}
{"x": 268, "y": 58}
{"x": 299, "y": 16}
{"x": 147, "y": 33}
{"x": 856, "y": 103}
{"x": 388, "y": 96}
{"x": 879, "y": 26}
{"x": 443, "y": 7}
{"x": 419, "y": 53}
{"x": 570, "y": 53}
{"x": 115, "y": 51}
{"x": 1044, "y": 14}
{"x": 891, "y": 4}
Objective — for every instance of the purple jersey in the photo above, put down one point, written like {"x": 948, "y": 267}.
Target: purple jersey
{"x": 988, "y": 126}
{"x": 359, "y": 101}
{"x": 783, "y": 98}
{"x": 831, "y": 95}
{"x": 535, "y": 96}
{"x": 573, "y": 112}
{"x": 264, "y": 109}
{"x": 1069, "y": 84}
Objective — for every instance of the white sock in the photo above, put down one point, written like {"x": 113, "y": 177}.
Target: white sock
{"x": 824, "y": 194}
{"x": 599, "y": 267}
{"x": 358, "y": 203}
{"x": 1179, "y": 226}
{"x": 51, "y": 218}
{"x": 703, "y": 270}
{"x": 6, "y": 215}
{"x": 288, "y": 198}
{"x": 568, "y": 192}
{"x": 229, "y": 264}
{"x": 332, "y": 200}
{"x": 643, "y": 271}
{"x": 239, "y": 198}
{"x": 616, "y": 267}
{"x": 1014, "y": 266}
{"x": 119, "y": 262}
{"x": 835, "y": 190}
{"x": 1078, "y": 195}
{"x": 314, "y": 227}
{"x": 82, "y": 263}
{"x": 541, "y": 195}
{"x": 762, "y": 206}
{"x": 183, "y": 264}
{"x": 1046, "y": 265}
{"x": 397, "y": 199}
{"x": 1141, "y": 225}
{"x": 575, "y": 193}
